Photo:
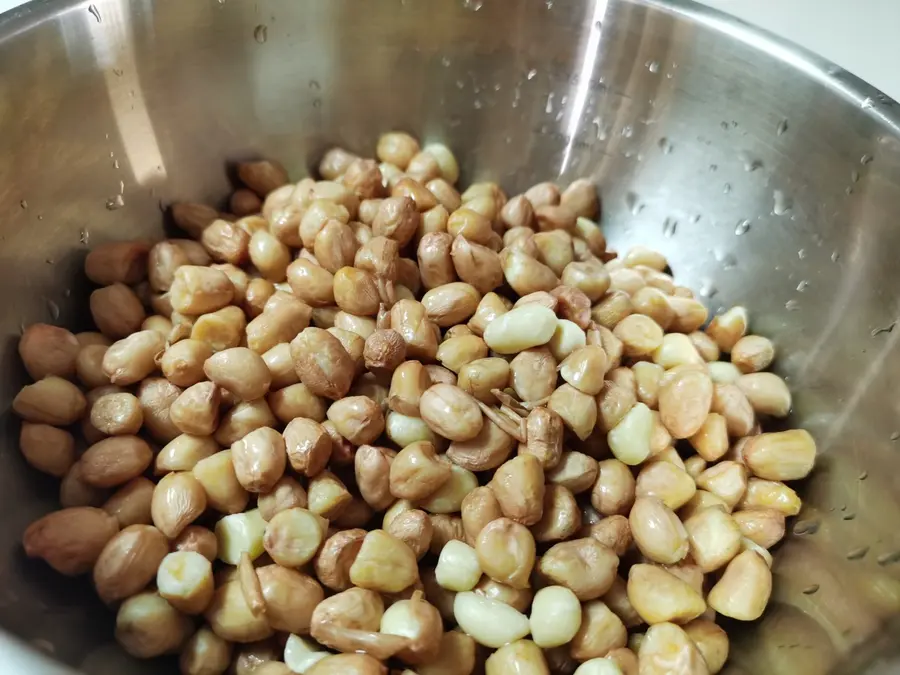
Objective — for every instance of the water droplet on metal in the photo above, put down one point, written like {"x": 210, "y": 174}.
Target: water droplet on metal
{"x": 713, "y": 167}
{"x": 810, "y": 590}
{"x": 854, "y": 176}
{"x": 548, "y": 108}
{"x": 627, "y": 131}
{"x": 44, "y": 645}
{"x": 750, "y": 163}
{"x": 634, "y": 203}
{"x": 53, "y": 310}
{"x": 888, "y": 558}
{"x": 801, "y": 254}
{"x": 866, "y": 159}
{"x": 782, "y": 127}
{"x": 884, "y": 329}
{"x": 314, "y": 85}
{"x": 742, "y": 227}
{"x": 806, "y": 527}
{"x": 695, "y": 219}
{"x": 707, "y": 289}
{"x": 783, "y": 203}
{"x": 835, "y": 256}
{"x": 261, "y": 33}
{"x": 653, "y": 66}
{"x": 477, "y": 104}
{"x": 665, "y": 145}
{"x": 867, "y": 103}
{"x": 84, "y": 236}
{"x": 802, "y": 286}
{"x": 95, "y": 13}
{"x": 670, "y": 227}
{"x": 792, "y": 305}
{"x": 445, "y": 61}
{"x": 727, "y": 188}
{"x": 531, "y": 74}
{"x": 895, "y": 436}
{"x": 23, "y": 204}
{"x": 114, "y": 203}
{"x": 849, "y": 516}
{"x": 473, "y": 5}
{"x": 858, "y": 553}
{"x": 317, "y": 103}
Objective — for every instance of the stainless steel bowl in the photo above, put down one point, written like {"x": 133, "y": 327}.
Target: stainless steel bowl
{"x": 766, "y": 175}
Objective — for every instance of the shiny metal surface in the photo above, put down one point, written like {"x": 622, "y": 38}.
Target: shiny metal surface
{"x": 767, "y": 176}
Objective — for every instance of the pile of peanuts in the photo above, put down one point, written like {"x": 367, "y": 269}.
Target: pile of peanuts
{"x": 368, "y": 424}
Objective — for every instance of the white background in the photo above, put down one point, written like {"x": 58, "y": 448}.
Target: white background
{"x": 859, "y": 35}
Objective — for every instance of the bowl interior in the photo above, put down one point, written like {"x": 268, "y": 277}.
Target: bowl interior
{"x": 766, "y": 176}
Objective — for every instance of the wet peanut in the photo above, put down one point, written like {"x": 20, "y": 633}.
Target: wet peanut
{"x": 115, "y": 461}
{"x": 51, "y": 400}
{"x": 322, "y": 363}
{"x": 384, "y": 564}
{"x": 743, "y": 590}
{"x": 685, "y": 400}
{"x": 47, "y": 448}
{"x": 657, "y": 531}
{"x": 666, "y": 648}
{"x": 178, "y": 500}
{"x": 70, "y": 540}
{"x": 241, "y": 371}
{"x": 519, "y": 487}
{"x": 575, "y": 471}
{"x": 417, "y": 472}
{"x": 48, "y": 350}
{"x": 450, "y": 412}
{"x": 585, "y": 566}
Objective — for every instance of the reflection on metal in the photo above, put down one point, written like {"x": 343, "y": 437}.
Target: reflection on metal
{"x": 809, "y": 65}
{"x": 206, "y": 92}
{"x": 584, "y": 77}
{"x": 114, "y": 53}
